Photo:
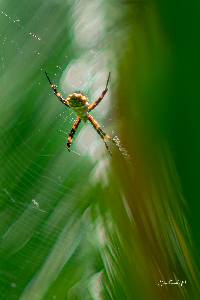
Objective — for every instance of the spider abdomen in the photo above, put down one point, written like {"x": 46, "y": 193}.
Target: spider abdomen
{"x": 79, "y": 103}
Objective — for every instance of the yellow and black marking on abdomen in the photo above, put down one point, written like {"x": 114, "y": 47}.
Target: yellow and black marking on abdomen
{"x": 79, "y": 103}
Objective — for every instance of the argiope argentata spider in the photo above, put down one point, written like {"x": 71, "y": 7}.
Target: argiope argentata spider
{"x": 79, "y": 103}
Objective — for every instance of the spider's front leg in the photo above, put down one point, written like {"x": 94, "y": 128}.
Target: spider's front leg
{"x": 60, "y": 97}
{"x": 95, "y": 103}
{"x": 99, "y": 130}
{"x": 72, "y": 132}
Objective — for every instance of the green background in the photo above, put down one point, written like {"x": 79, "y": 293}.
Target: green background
{"x": 84, "y": 225}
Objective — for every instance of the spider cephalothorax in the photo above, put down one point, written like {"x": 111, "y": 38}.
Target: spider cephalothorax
{"x": 79, "y": 103}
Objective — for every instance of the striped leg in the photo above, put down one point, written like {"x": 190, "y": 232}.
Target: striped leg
{"x": 60, "y": 97}
{"x": 95, "y": 103}
{"x": 97, "y": 127}
{"x": 72, "y": 132}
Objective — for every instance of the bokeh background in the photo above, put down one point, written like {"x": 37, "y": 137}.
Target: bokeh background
{"x": 84, "y": 225}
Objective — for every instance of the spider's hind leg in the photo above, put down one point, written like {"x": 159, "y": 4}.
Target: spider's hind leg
{"x": 72, "y": 132}
{"x": 99, "y": 130}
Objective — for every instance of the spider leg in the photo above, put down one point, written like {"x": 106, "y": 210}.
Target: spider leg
{"x": 72, "y": 132}
{"x": 102, "y": 134}
{"x": 95, "y": 103}
{"x": 60, "y": 97}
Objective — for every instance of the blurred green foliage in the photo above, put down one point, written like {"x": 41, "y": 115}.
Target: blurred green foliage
{"x": 82, "y": 225}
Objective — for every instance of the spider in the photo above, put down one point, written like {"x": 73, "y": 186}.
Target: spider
{"x": 79, "y": 103}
